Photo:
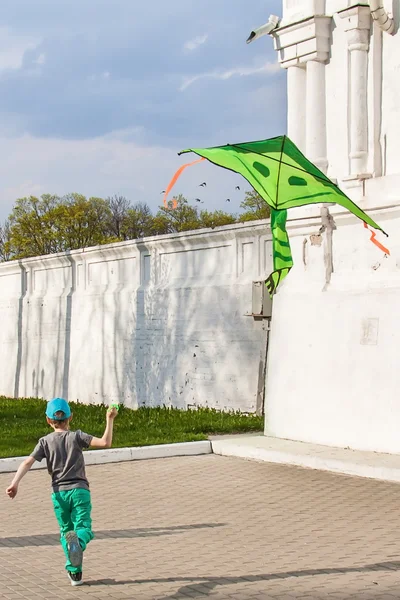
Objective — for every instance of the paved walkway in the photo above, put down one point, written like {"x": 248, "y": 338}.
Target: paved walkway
{"x": 209, "y": 526}
{"x": 375, "y": 465}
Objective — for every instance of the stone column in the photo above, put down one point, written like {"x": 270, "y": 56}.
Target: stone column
{"x": 357, "y": 26}
{"x": 316, "y": 114}
{"x": 296, "y": 93}
{"x": 304, "y": 49}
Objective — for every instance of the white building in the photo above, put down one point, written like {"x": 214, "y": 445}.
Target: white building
{"x": 333, "y": 367}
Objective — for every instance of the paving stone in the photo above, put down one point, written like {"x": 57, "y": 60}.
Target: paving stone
{"x": 209, "y": 526}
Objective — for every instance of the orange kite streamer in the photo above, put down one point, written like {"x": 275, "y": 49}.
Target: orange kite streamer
{"x": 175, "y": 179}
{"x": 375, "y": 241}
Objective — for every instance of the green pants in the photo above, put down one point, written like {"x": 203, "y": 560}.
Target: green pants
{"x": 73, "y": 512}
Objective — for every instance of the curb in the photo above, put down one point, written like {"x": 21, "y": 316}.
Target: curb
{"x": 225, "y": 447}
{"x": 115, "y": 455}
{"x": 333, "y": 465}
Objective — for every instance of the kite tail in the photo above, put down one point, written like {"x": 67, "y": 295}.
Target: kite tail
{"x": 281, "y": 252}
{"x": 375, "y": 241}
{"x": 175, "y": 179}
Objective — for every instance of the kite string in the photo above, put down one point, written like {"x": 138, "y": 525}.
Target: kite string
{"x": 375, "y": 241}
{"x": 175, "y": 179}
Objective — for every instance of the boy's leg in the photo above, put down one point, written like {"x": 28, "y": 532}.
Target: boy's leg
{"x": 81, "y": 508}
{"x": 63, "y": 514}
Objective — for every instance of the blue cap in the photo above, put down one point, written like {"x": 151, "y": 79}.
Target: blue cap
{"x": 58, "y": 405}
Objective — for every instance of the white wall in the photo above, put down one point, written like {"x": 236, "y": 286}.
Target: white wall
{"x": 154, "y": 322}
{"x": 333, "y": 368}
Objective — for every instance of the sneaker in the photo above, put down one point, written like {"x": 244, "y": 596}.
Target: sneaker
{"x": 75, "y": 552}
{"x": 75, "y": 578}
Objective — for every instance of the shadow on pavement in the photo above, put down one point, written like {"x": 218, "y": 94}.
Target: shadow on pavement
{"x": 54, "y": 539}
{"x": 198, "y": 586}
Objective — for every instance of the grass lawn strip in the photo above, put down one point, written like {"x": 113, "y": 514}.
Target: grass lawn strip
{"x": 22, "y": 423}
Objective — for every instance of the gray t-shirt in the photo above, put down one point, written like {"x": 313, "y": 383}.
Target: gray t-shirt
{"x": 65, "y": 463}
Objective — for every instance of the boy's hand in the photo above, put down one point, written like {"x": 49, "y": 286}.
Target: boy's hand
{"x": 111, "y": 413}
{"x": 12, "y": 491}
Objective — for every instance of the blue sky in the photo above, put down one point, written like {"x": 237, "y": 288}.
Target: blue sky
{"x": 98, "y": 96}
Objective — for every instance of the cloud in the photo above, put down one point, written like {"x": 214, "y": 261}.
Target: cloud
{"x": 103, "y": 76}
{"x": 196, "y": 42}
{"x": 100, "y": 166}
{"x": 92, "y": 104}
{"x": 97, "y": 75}
{"x": 13, "y": 47}
{"x": 104, "y": 166}
{"x": 229, "y": 73}
{"x": 41, "y": 59}
{"x": 20, "y": 190}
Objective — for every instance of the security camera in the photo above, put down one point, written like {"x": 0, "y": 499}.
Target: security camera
{"x": 272, "y": 24}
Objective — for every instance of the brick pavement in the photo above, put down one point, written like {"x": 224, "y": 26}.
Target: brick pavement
{"x": 209, "y": 526}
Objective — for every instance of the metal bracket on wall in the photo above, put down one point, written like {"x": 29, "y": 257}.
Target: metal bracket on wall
{"x": 353, "y": 180}
{"x": 261, "y": 302}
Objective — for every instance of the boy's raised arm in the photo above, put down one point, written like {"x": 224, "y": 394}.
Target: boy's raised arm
{"x": 23, "y": 468}
{"x": 106, "y": 440}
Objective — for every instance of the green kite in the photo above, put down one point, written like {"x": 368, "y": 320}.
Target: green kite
{"x": 285, "y": 179}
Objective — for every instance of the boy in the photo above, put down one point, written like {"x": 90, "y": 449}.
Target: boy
{"x": 62, "y": 450}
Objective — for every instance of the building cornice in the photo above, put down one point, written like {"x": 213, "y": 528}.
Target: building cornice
{"x": 307, "y": 39}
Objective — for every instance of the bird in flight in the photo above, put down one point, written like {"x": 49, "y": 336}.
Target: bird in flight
{"x": 228, "y": 200}
{"x": 198, "y": 200}
{"x": 237, "y": 188}
{"x": 203, "y": 184}
{"x": 163, "y": 192}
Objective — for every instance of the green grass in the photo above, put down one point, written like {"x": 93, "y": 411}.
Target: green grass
{"x": 22, "y": 423}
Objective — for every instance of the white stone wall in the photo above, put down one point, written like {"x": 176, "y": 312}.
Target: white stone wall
{"x": 333, "y": 375}
{"x": 333, "y": 372}
{"x": 161, "y": 321}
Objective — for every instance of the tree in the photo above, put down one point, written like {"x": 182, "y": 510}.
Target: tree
{"x": 119, "y": 207}
{"x": 218, "y": 218}
{"x": 138, "y": 222}
{"x": 50, "y": 224}
{"x": 5, "y": 248}
{"x": 33, "y": 229}
{"x": 160, "y": 224}
{"x": 82, "y": 222}
{"x": 172, "y": 220}
{"x": 255, "y": 207}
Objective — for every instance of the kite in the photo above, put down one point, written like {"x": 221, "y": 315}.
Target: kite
{"x": 285, "y": 179}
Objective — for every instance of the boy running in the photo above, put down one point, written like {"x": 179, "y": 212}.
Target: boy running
{"x": 62, "y": 450}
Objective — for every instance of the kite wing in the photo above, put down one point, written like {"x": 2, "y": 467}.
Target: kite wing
{"x": 281, "y": 174}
